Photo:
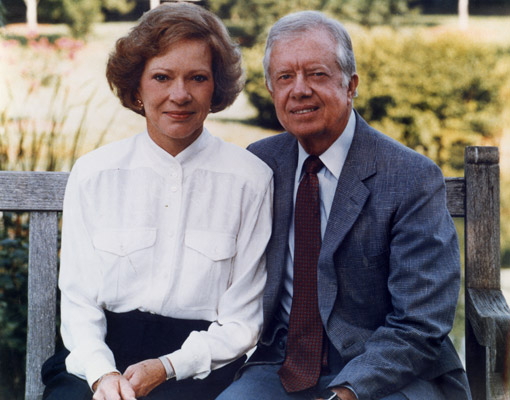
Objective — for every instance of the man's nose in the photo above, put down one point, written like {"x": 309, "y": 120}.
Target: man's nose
{"x": 301, "y": 87}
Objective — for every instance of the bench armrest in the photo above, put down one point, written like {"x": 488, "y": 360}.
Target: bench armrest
{"x": 489, "y": 316}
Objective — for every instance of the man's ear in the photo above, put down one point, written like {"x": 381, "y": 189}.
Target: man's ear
{"x": 353, "y": 85}
{"x": 268, "y": 89}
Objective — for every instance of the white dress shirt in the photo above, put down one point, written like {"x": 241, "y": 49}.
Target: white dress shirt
{"x": 333, "y": 159}
{"x": 180, "y": 236}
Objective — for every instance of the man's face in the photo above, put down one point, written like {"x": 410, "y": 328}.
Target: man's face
{"x": 310, "y": 101}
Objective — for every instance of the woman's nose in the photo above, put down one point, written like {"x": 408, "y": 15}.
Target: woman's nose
{"x": 179, "y": 93}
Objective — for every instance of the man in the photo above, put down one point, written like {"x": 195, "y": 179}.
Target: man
{"x": 363, "y": 263}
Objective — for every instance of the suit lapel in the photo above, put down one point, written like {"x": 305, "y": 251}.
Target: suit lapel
{"x": 284, "y": 175}
{"x": 350, "y": 197}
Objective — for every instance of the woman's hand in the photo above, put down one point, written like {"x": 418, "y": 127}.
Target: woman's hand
{"x": 145, "y": 376}
{"x": 113, "y": 386}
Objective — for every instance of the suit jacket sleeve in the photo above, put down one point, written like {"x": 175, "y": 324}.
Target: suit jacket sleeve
{"x": 423, "y": 285}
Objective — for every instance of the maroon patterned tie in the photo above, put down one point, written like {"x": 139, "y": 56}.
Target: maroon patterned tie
{"x": 303, "y": 360}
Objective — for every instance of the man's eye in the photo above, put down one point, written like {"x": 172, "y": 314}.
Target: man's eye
{"x": 319, "y": 74}
{"x": 284, "y": 77}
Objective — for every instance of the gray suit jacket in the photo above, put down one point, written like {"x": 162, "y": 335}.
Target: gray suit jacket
{"x": 389, "y": 267}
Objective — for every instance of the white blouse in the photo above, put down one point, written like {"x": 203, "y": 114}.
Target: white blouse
{"x": 180, "y": 236}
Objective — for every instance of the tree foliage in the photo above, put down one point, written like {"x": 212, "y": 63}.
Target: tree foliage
{"x": 2, "y": 14}
{"x": 249, "y": 19}
{"x": 80, "y": 15}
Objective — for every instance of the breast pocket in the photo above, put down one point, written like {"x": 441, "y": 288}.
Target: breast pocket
{"x": 206, "y": 268}
{"x": 126, "y": 255}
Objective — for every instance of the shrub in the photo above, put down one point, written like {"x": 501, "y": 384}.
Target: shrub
{"x": 435, "y": 94}
{"x": 13, "y": 303}
{"x": 256, "y": 89}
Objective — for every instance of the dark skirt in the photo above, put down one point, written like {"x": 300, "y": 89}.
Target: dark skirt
{"x": 133, "y": 337}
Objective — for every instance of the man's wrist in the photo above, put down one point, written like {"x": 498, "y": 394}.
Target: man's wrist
{"x": 345, "y": 392}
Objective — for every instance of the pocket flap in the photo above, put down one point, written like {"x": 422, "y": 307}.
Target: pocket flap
{"x": 123, "y": 242}
{"x": 215, "y": 245}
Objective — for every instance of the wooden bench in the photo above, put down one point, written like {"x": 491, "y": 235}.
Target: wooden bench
{"x": 474, "y": 198}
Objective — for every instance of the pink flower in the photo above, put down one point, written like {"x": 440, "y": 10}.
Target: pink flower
{"x": 10, "y": 43}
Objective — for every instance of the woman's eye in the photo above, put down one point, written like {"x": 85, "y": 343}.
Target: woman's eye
{"x": 199, "y": 78}
{"x": 160, "y": 77}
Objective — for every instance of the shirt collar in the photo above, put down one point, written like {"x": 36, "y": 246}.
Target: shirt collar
{"x": 184, "y": 156}
{"x": 334, "y": 157}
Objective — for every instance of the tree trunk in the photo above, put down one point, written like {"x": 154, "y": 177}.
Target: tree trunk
{"x": 154, "y": 3}
{"x": 31, "y": 15}
{"x": 463, "y": 14}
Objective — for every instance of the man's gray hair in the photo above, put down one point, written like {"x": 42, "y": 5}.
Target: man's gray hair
{"x": 294, "y": 25}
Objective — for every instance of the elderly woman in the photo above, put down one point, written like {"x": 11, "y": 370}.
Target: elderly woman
{"x": 162, "y": 267}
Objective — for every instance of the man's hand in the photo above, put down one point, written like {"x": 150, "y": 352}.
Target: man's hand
{"x": 145, "y": 376}
{"x": 113, "y": 386}
{"x": 343, "y": 393}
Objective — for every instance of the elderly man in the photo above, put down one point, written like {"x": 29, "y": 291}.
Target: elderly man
{"x": 363, "y": 263}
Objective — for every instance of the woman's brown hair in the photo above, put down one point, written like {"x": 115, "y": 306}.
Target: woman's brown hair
{"x": 157, "y": 30}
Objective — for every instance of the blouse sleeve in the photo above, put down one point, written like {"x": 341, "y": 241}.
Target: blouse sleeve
{"x": 83, "y": 325}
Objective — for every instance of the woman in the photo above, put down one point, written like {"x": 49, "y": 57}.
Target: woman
{"x": 162, "y": 266}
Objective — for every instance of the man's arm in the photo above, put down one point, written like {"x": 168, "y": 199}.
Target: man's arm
{"x": 423, "y": 282}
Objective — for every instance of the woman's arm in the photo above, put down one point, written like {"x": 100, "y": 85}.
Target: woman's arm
{"x": 83, "y": 322}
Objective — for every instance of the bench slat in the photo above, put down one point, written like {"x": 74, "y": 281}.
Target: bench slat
{"x": 455, "y": 194}
{"x": 27, "y": 190}
{"x": 42, "y": 299}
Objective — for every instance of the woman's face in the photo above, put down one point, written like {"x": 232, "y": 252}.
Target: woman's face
{"x": 176, "y": 89}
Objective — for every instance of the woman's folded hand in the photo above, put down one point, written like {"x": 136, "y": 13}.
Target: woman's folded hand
{"x": 112, "y": 385}
{"x": 145, "y": 376}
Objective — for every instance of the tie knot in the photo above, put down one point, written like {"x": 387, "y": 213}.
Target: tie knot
{"x": 312, "y": 165}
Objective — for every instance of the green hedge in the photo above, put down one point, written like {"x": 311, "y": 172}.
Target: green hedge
{"x": 13, "y": 303}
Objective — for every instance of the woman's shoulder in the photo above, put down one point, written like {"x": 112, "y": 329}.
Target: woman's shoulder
{"x": 112, "y": 155}
{"x": 240, "y": 161}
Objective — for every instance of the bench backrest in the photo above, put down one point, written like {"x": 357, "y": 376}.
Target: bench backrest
{"x": 474, "y": 197}
{"x": 41, "y": 194}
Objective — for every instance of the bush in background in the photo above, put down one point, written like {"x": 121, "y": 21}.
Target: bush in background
{"x": 13, "y": 303}
{"x": 80, "y": 15}
{"x": 256, "y": 90}
{"x": 435, "y": 94}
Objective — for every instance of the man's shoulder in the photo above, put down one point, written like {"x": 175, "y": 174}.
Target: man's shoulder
{"x": 273, "y": 146}
{"x": 387, "y": 150}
